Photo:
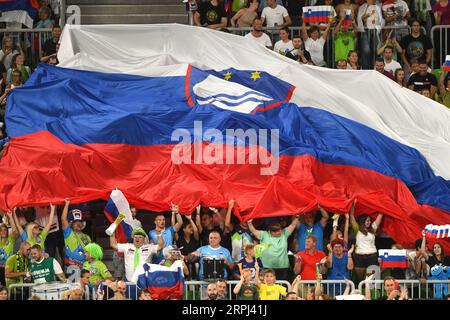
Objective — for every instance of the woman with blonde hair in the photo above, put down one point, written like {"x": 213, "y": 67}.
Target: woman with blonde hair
{"x": 17, "y": 63}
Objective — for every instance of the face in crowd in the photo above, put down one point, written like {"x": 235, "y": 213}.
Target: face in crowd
{"x": 341, "y": 64}
{"x": 297, "y": 43}
{"x": 138, "y": 240}
{"x": 309, "y": 218}
{"x": 214, "y": 239}
{"x": 269, "y": 278}
{"x": 221, "y": 288}
{"x": 85, "y": 278}
{"x": 211, "y": 291}
{"x": 160, "y": 222}
{"x": 145, "y": 295}
{"x": 338, "y": 249}
{"x": 310, "y": 244}
{"x": 257, "y": 25}
{"x": 379, "y": 66}
{"x": 36, "y": 254}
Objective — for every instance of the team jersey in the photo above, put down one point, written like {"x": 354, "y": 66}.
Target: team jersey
{"x": 167, "y": 234}
{"x": 16, "y": 263}
{"x": 214, "y": 253}
{"x": 6, "y": 249}
{"x": 272, "y": 292}
{"x": 40, "y": 239}
{"x": 74, "y": 247}
{"x": 98, "y": 271}
{"x": 239, "y": 239}
{"x": 44, "y": 271}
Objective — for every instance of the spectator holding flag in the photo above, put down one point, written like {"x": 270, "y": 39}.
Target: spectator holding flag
{"x": 339, "y": 264}
{"x": 309, "y": 227}
{"x": 438, "y": 256}
{"x": 344, "y": 41}
{"x": 315, "y": 43}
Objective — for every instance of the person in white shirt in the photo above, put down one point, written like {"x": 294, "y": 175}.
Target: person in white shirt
{"x": 136, "y": 253}
{"x": 275, "y": 15}
{"x": 390, "y": 64}
{"x": 284, "y": 45}
{"x": 258, "y": 35}
{"x": 315, "y": 43}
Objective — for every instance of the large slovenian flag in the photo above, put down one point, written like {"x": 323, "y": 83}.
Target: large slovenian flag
{"x": 23, "y": 11}
{"x": 393, "y": 258}
{"x": 317, "y": 14}
{"x": 163, "y": 282}
{"x": 446, "y": 65}
{"x": 107, "y": 120}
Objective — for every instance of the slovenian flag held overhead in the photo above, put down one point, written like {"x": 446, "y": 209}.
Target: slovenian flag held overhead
{"x": 317, "y": 14}
{"x": 437, "y": 232}
{"x": 446, "y": 65}
{"x": 393, "y": 258}
{"x": 348, "y": 18}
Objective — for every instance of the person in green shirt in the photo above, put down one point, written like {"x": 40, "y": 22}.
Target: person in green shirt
{"x": 33, "y": 234}
{"x": 7, "y": 241}
{"x": 16, "y": 268}
{"x": 245, "y": 290}
{"x": 276, "y": 255}
{"x": 444, "y": 90}
{"x": 99, "y": 271}
{"x": 44, "y": 269}
{"x": 344, "y": 41}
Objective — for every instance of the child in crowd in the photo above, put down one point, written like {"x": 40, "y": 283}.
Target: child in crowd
{"x": 245, "y": 289}
{"x": 250, "y": 261}
{"x": 269, "y": 290}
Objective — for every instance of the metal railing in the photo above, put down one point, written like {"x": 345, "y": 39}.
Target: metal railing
{"x": 331, "y": 288}
{"x": 439, "y": 38}
{"x": 416, "y": 289}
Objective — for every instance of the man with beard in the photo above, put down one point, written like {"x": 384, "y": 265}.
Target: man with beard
{"x": 211, "y": 292}
{"x": 258, "y": 35}
{"x": 298, "y": 53}
{"x": 44, "y": 270}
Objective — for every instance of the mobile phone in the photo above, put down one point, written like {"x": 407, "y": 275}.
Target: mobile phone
{"x": 396, "y": 285}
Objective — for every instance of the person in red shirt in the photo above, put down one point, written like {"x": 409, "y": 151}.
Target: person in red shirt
{"x": 305, "y": 261}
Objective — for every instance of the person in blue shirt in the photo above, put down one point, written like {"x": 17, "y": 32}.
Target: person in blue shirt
{"x": 214, "y": 251}
{"x": 308, "y": 227}
{"x": 168, "y": 234}
{"x": 339, "y": 264}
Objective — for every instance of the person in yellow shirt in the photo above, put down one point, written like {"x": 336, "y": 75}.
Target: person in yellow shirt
{"x": 269, "y": 290}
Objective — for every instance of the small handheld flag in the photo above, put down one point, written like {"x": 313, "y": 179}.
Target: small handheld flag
{"x": 435, "y": 231}
{"x": 348, "y": 18}
{"x": 446, "y": 64}
{"x": 393, "y": 258}
{"x": 317, "y": 14}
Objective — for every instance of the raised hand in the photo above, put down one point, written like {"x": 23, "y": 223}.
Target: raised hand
{"x": 174, "y": 207}
{"x": 351, "y": 250}
{"x": 230, "y": 203}
{"x": 67, "y": 201}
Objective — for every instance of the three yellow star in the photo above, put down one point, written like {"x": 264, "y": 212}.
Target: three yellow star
{"x": 227, "y": 76}
{"x": 255, "y": 75}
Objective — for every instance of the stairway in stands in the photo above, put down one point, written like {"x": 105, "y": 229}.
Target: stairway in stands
{"x": 131, "y": 11}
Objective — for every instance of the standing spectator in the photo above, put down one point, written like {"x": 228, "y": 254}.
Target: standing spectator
{"x": 284, "y": 45}
{"x": 207, "y": 226}
{"x": 339, "y": 233}
{"x": 305, "y": 261}
{"x": 17, "y": 64}
{"x": 366, "y": 253}
{"x": 344, "y": 41}
{"x": 188, "y": 242}
{"x": 390, "y": 40}
{"x": 211, "y": 14}
{"x": 8, "y": 51}
{"x": 341, "y": 64}
{"x": 370, "y": 21}
{"x": 33, "y": 234}
{"x": 258, "y": 35}
{"x": 7, "y": 241}
{"x": 49, "y": 48}
{"x": 396, "y": 13}
{"x": 339, "y": 264}
{"x": 423, "y": 12}
{"x": 275, "y": 15}
{"x": 245, "y": 16}
{"x": 399, "y": 77}
{"x": 437, "y": 256}
{"x": 136, "y": 253}
{"x": 299, "y": 53}
{"x": 379, "y": 66}
{"x": 353, "y": 60}
{"x": 342, "y": 7}
{"x": 54, "y": 240}
{"x": 310, "y": 227}
{"x": 250, "y": 262}
{"x": 16, "y": 267}
{"x": 423, "y": 80}
{"x": 415, "y": 46}
{"x": 269, "y": 290}
{"x": 441, "y": 11}
{"x": 390, "y": 65}
{"x": 295, "y": 9}
{"x": 99, "y": 271}
{"x": 75, "y": 240}
{"x": 44, "y": 270}
{"x": 315, "y": 43}
{"x": 44, "y": 19}
{"x": 3, "y": 293}
{"x": 244, "y": 289}
{"x": 168, "y": 234}
{"x": 215, "y": 251}
{"x": 275, "y": 256}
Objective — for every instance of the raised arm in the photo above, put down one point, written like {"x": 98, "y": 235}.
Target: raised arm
{"x": 256, "y": 233}
{"x": 338, "y": 27}
{"x": 329, "y": 262}
{"x": 352, "y": 215}
{"x": 295, "y": 284}
{"x": 326, "y": 32}
{"x": 238, "y": 286}
{"x": 160, "y": 242}
{"x": 194, "y": 227}
{"x": 50, "y": 220}
{"x": 113, "y": 242}
{"x": 304, "y": 32}
{"x": 197, "y": 19}
{"x": 198, "y": 221}
{"x": 12, "y": 222}
{"x": 347, "y": 222}
{"x": 228, "y": 225}
{"x": 378, "y": 220}
{"x": 291, "y": 228}
{"x": 350, "y": 264}
{"x": 16, "y": 220}
{"x": 423, "y": 246}
{"x": 298, "y": 264}
{"x": 325, "y": 216}
{"x": 441, "y": 82}
{"x": 257, "y": 281}
{"x": 64, "y": 221}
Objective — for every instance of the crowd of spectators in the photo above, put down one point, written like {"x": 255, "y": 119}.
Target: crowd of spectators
{"x": 392, "y": 36}
{"x": 312, "y": 247}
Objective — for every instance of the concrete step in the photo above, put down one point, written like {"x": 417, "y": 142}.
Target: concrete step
{"x": 134, "y": 19}
{"x": 123, "y": 2}
{"x": 137, "y": 9}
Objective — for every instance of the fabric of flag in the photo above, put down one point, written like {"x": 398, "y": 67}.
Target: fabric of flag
{"x": 446, "y": 65}
{"x": 317, "y": 14}
{"x": 437, "y": 232}
{"x": 393, "y": 258}
{"x": 103, "y": 120}
{"x": 22, "y": 11}
{"x": 347, "y": 18}
{"x": 116, "y": 204}
{"x": 162, "y": 282}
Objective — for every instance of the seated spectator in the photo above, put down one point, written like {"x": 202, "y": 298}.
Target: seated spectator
{"x": 44, "y": 19}
{"x": 258, "y": 34}
{"x": 299, "y": 53}
{"x": 144, "y": 294}
{"x": 214, "y": 251}
{"x": 414, "y": 67}
{"x": 422, "y": 11}
{"x": 42, "y": 269}
{"x": 305, "y": 261}
{"x": 309, "y": 227}
{"x": 118, "y": 287}
{"x": 172, "y": 254}
{"x": 396, "y": 13}
{"x": 276, "y": 255}
{"x": 284, "y": 45}
{"x": 353, "y": 60}
{"x": 379, "y": 66}
{"x": 17, "y": 64}
{"x": 415, "y": 46}
{"x": 356, "y": 292}
{"x": 441, "y": 11}
{"x": 417, "y": 266}
{"x": 245, "y": 16}
{"x": 8, "y": 51}
{"x": 76, "y": 293}
{"x": 341, "y": 64}
{"x": 315, "y": 43}
{"x": 211, "y": 292}
{"x": 98, "y": 270}
{"x": 426, "y": 93}
{"x": 392, "y": 292}
{"x": 211, "y": 14}
{"x": 50, "y": 46}
{"x": 423, "y": 80}
{"x": 390, "y": 40}
{"x": 390, "y": 64}
{"x": 399, "y": 77}
{"x": 366, "y": 253}
{"x": 275, "y": 15}
{"x": 444, "y": 91}
{"x": 245, "y": 289}
{"x": 250, "y": 262}
{"x": 221, "y": 286}
{"x": 269, "y": 290}
{"x": 344, "y": 41}
{"x": 85, "y": 283}
{"x": 4, "y": 293}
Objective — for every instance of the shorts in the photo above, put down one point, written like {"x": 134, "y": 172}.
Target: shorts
{"x": 365, "y": 260}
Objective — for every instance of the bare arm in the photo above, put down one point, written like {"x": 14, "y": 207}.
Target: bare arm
{"x": 352, "y": 215}
{"x": 318, "y": 289}
{"x": 291, "y": 228}
{"x": 329, "y": 262}
{"x": 16, "y": 220}
{"x": 61, "y": 277}
{"x": 304, "y": 32}
{"x": 64, "y": 221}
{"x": 10, "y": 274}
{"x": 325, "y": 216}
{"x": 380, "y": 50}
{"x": 197, "y": 19}
{"x": 50, "y": 220}
{"x": 338, "y": 27}
{"x": 433, "y": 91}
{"x": 326, "y": 32}
{"x": 238, "y": 286}
{"x": 296, "y": 283}
{"x": 405, "y": 61}
{"x": 298, "y": 264}
{"x": 441, "y": 82}
{"x": 160, "y": 242}
{"x": 236, "y": 17}
{"x": 367, "y": 291}
{"x": 350, "y": 264}
{"x": 347, "y": 288}
{"x": 398, "y": 47}
{"x": 429, "y": 55}
{"x": 194, "y": 227}
{"x": 253, "y": 230}
{"x": 12, "y": 222}
{"x": 113, "y": 242}
{"x": 222, "y": 24}
{"x": 378, "y": 220}
{"x": 346, "y": 226}
{"x": 198, "y": 221}
{"x": 228, "y": 225}
{"x": 423, "y": 247}
{"x": 287, "y": 21}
